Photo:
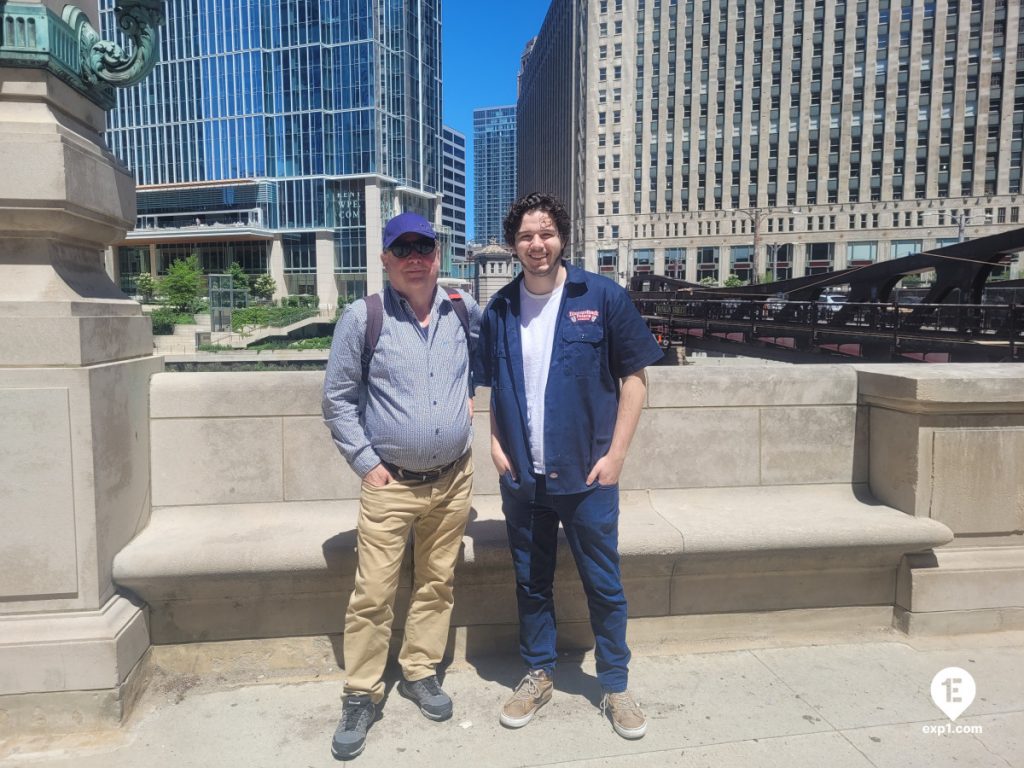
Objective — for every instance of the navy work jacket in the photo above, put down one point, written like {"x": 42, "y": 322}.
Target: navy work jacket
{"x": 599, "y": 338}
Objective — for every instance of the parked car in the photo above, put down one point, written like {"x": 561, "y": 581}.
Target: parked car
{"x": 833, "y": 302}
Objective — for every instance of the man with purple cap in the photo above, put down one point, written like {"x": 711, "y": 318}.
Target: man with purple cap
{"x": 398, "y": 402}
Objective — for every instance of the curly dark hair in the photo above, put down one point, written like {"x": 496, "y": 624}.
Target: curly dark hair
{"x": 536, "y": 201}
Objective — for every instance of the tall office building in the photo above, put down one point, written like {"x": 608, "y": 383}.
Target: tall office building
{"x": 783, "y": 136}
{"x": 494, "y": 170}
{"x": 453, "y": 201}
{"x": 282, "y": 136}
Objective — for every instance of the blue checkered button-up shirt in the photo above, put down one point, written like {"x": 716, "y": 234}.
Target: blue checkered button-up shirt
{"x": 414, "y": 411}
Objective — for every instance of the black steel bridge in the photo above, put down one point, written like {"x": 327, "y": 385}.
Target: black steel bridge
{"x": 962, "y": 316}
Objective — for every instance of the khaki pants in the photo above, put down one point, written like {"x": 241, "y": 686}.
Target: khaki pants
{"x": 436, "y": 513}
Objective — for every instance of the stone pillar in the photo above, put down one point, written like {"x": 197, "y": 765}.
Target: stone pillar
{"x": 374, "y": 238}
{"x": 946, "y": 442}
{"x": 276, "y": 266}
{"x": 326, "y": 285}
{"x": 691, "y": 265}
{"x": 724, "y": 264}
{"x": 659, "y": 261}
{"x": 76, "y": 356}
{"x": 799, "y": 259}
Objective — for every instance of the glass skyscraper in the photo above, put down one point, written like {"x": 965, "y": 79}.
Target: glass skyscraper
{"x": 494, "y": 170}
{"x": 282, "y": 134}
{"x": 453, "y": 203}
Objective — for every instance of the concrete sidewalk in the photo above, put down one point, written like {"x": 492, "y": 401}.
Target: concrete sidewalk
{"x": 853, "y": 705}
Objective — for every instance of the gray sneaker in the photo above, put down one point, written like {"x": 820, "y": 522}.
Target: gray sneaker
{"x": 357, "y": 715}
{"x": 434, "y": 703}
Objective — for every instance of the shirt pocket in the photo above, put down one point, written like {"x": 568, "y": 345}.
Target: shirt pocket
{"x": 583, "y": 345}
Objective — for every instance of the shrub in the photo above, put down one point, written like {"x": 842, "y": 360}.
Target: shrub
{"x": 182, "y": 288}
{"x": 300, "y": 300}
{"x": 239, "y": 280}
{"x": 263, "y": 287}
{"x": 146, "y": 286}
{"x": 275, "y": 317}
{"x": 216, "y": 348}
{"x": 315, "y": 342}
{"x": 165, "y": 318}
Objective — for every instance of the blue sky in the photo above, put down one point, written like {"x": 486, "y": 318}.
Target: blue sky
{"x": 481, "y": 42}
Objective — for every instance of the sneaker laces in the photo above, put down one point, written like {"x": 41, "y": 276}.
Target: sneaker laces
{"x": 621, "y": 701}
{"x": 527, "y": 689}
{"x": 430, "y": 684}
{"x": 354, "y": 712}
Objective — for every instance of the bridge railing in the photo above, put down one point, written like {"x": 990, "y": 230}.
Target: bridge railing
{"x": 990, "y": 322}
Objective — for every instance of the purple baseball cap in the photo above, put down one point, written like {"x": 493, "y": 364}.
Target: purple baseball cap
{"x": 403, "y": 224}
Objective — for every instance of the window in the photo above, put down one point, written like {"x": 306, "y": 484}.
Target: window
{"x": 901, "y": 248}
{"x": 675, "y": 263}
{"x": 643, "y": 260}
{"x": 861, "y": 253}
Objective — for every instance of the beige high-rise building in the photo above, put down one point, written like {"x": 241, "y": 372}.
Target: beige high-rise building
{"x": 703, "y": 139}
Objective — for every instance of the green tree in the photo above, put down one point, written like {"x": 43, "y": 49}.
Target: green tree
{"x": 145, "y": 286}
{"x": 708, "y": 281}
{"x": 733, "y": 281}
{"x": 263, "y": 287}
{"x": 182, "y": 288}
{"x": 239, "y": 279}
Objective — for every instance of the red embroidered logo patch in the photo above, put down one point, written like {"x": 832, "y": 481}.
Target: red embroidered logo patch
{"x": 584, "y": 315}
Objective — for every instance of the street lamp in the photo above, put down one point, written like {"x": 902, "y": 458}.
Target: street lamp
{"x": 773, "y": 249}
{"x": 962, "y": 220}
{"x": 756, "y": 216}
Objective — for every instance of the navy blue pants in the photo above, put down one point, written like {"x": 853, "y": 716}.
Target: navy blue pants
{"x": 591, "y": 524}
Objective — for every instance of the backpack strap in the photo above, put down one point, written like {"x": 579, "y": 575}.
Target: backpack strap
{"x": 374, "y": 322}
{"x": 460, "y": 309}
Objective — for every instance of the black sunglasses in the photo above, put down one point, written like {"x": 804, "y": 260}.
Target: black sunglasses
{"x": 423, "y": 246}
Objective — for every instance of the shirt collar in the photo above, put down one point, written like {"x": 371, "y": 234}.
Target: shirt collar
{"x": 440, "y": 296}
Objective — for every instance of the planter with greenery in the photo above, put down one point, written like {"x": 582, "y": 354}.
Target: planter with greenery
{"x": 274, "y": 317}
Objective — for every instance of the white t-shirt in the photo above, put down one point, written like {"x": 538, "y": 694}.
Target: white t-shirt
{"x": 538, "y": 318}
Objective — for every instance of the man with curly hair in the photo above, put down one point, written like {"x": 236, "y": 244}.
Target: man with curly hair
{"x": 564, "y": 352}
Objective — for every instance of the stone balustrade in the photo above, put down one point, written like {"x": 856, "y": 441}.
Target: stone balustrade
{"x": 747, "y": 491}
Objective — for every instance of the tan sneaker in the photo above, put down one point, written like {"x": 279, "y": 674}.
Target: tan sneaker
{"x": 627, "y": 718}
{"x": 532, "y": 693}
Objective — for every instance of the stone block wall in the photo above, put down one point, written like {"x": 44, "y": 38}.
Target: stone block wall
{"x": 222, "y": 438}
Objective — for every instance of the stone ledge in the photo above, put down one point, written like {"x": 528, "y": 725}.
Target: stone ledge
{"x": 955, "y": 387}
{"x": 709, "y": 387}
{"x": 963, "y": 578}
{"x": 277, "y": 569}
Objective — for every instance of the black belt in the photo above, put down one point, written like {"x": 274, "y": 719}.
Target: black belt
{"x": 424, "y": 476}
